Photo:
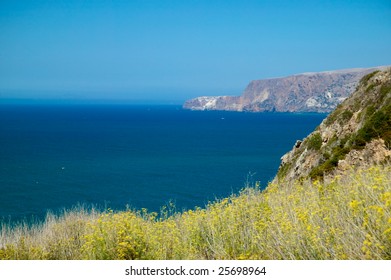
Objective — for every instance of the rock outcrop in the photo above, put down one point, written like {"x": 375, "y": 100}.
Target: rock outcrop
{"x": 309, "y": 92}
{"x": 356, "y": 133}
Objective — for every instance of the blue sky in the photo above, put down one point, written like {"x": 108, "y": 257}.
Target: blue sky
{"x": 174, "y": 50}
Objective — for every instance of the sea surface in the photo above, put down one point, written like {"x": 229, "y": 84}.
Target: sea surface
{"x": 116, "y": 156}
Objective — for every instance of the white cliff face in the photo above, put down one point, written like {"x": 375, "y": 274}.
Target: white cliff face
{"x": 262, "y": 96}
{"x": 203, "y": 103}
{"x": 325, "y": 102}
{"x": 311, "y": 102}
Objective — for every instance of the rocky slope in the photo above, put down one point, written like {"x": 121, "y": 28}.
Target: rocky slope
{"x": 356, "y": 133}
{"x": 308, "y": 92}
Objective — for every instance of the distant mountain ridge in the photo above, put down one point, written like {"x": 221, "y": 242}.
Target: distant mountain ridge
{"x": 319, "y": 92}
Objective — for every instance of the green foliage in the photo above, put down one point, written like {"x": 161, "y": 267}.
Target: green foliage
{"x": 318, "y": 172}
{"x": 326, "y": 156}
{"x": 364, "y": 80}
{"x": 345, "y": 117}
{"x": 378, "y": 125}
{"x": 384, "y": 90}
{"x": 340, "y": 115}
{"x": 334, "y": 115}
{"x": 284, "y": 170}
{"x": 370, "y": 88}
{"x": 315, "y": 142}
{"x": 356, "y": 105}
{"x": 330, "y": 160}
{"x": 370, "y": 110}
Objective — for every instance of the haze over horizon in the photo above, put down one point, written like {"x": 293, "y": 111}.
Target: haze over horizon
{"x": 170, "y": 51}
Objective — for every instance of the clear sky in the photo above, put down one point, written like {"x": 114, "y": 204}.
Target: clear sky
{"x": 174, "y": 50}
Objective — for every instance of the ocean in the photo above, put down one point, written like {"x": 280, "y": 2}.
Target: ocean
{"x": 117, "y": 156}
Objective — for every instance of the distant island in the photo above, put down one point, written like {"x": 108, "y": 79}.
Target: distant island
{"x": 318, "y": 92}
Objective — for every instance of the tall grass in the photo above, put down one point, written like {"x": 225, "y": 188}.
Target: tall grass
{"x": 348, "y": 217}
{"x": 58, "y": 237}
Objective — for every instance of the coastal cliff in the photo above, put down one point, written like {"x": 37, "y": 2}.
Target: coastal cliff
{"x": 308, "y": 92}
{"x": 356, "y": 133}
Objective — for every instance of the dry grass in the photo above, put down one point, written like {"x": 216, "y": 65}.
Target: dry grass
{"x": 58, "y": 237}
{"x": 346, "y": 218}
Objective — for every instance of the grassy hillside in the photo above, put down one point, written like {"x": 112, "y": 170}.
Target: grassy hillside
{"x": 348, "y": 217}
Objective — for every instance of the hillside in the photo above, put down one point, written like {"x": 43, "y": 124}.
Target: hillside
{"x": 357, "y": 133}
{"x": 309, "y": 92}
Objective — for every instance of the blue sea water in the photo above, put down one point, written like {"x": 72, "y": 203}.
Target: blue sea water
{"x": 56, "y": 156}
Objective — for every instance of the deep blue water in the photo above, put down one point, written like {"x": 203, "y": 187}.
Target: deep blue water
{"x": 53, "y": 157}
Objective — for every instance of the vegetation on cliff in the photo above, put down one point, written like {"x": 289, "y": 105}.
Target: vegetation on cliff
{"x": 356, "y": 133}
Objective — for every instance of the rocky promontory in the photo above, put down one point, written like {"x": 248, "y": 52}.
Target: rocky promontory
{"x": 308, "y": 92}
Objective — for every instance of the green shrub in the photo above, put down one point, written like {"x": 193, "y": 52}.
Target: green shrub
{"x": 284, "y": 170}
{"x": 370, "y": 110}
{"x": 369, "y": 88}
{"x": 330, "y": 160}
{"x": 378, "y": 125}
{"x": 364, "y": 80}
{"x": 345, "y": 117}
{"x": 315, "y": 142}
{"x": 332, "y": 117}
{"x": 384, "y": 90}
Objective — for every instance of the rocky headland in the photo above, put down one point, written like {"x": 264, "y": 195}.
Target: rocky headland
{"x": 308, "y": 92}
